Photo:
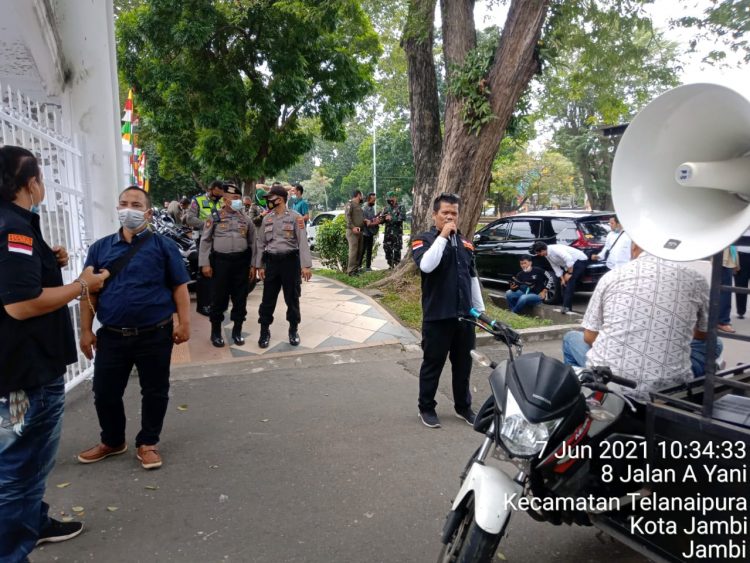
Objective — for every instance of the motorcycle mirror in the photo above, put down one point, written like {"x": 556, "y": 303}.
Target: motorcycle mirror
{"x": 481, "y": 359}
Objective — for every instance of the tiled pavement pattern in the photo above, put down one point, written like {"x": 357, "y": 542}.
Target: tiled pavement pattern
{"x": 334, "y": 316}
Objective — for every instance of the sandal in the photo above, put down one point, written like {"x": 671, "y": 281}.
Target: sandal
{"x": 725, "y": 328}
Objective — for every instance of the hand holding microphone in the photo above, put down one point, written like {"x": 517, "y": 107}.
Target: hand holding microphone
{"x": 449, "y": 231}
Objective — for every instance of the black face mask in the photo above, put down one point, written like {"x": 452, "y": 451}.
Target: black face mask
{"x": 392, "y": 202}
{"x": 271, "y": 204}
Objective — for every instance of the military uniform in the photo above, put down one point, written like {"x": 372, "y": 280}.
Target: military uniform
{"x": 227, "y": 245}
{"x": 282, "y": 249}
{"x": 394, "y": 232}
{"x": 201, "y": 209}
{"x": 354, "y": 218}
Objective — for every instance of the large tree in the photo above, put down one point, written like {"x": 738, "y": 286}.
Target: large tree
{"x": 225, "y": 86}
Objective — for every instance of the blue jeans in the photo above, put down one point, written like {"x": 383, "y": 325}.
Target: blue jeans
{"x": 518, "y": 300}
{"x": 28, "y": 446}
{"x": 574, "y": 352}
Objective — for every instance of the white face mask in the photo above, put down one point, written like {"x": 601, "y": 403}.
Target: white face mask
{"x": 526, "y": 269}
{"x": 237, "y": 204}
{"x": 131, "y": 219}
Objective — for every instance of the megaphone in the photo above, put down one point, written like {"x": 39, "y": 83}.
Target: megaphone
{"x": 681, "y": 173}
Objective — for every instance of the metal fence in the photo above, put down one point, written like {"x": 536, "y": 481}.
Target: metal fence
{"x": 66, "y": 211}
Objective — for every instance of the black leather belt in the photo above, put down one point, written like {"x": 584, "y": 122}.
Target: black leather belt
{"x": 125, "y": 331}
{"x": 271, "y": 257}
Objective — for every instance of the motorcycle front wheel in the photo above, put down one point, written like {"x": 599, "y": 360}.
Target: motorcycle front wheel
{"x": 470, "y": 543}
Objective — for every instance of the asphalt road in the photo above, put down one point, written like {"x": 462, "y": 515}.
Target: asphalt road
{"x": 325, "y": 464}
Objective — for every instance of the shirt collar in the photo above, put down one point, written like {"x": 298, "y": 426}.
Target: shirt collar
{"x": 135, "y": 237}
{"x": 25, "y": 214}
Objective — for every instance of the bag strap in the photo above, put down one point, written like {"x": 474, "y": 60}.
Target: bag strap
{"x": 119, "y": 264}
{"x": 607, "y": 251}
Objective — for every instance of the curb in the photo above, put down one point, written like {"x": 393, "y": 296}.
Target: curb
{"x": 540, "y": 334}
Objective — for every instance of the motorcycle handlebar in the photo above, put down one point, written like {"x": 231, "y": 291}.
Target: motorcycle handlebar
{"x": 625, "y": 382}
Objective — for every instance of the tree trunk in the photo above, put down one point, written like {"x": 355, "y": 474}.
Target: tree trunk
{"x": 426, "y": 139}
{"x": 466, "y": 163}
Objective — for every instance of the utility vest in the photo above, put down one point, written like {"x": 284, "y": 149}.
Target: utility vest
{"x": 207, "y": 207}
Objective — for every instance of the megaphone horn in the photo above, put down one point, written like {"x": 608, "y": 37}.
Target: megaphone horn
{"x": 681, "y": 173}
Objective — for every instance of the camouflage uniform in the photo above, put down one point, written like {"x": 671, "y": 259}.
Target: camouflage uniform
{"x": 394, "y": 232}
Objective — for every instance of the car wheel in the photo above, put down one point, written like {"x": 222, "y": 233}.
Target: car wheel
{"x": 552, "y": 285}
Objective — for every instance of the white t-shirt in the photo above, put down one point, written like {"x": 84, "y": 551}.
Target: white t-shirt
{"x": 645, "y": 313}
{"x": 617, "y": 247}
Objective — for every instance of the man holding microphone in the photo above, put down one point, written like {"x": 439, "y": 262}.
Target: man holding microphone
{"x": 450, "y": 289}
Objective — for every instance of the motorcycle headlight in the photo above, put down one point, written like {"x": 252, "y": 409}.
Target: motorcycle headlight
{"x": 521, "y": 437}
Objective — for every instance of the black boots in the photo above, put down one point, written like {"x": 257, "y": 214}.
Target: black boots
{"x": 237, "y": 334}
{"x": 293, "y": 336}
{"x": 216, "y": 338}
{"x": 265, "y": 336}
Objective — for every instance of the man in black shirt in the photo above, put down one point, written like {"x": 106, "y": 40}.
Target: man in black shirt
{"x": 450, "y": 289}
{"x": 527, "y": 287}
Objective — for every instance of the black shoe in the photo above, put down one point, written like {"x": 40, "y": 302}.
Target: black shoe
{"x": 237, "y": 334}
{"x": 742, "y": 316}
{"x": 565, "y": 311}
{"x": 265, "y": 337}
{"x": 293, "y": 337}
{"x": 468, "y": 415}
{"x": 216, "y": 338}
{"x": 429, "y": 418}
{"x": 205, "y": 311}
{"x": 57, "y": 531}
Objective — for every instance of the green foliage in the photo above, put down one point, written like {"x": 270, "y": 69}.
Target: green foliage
{"x": 230, "y": 88}
{"x": 360, "y": 281}
{"x": 469, "y": 82}
{"x": 331, "y": 244}
{"x": 725, "y": 20}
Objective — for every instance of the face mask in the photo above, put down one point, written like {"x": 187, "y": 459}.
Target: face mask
{"x": 293, "y": 198}
{"x": 271, "y": 204}
{"x": 392, "y": 202}
{"x": 35, "y": 208}
{"x": 237, "y": 204}
{"x": 131, "y": 219}
{"x": 526, "y": 269}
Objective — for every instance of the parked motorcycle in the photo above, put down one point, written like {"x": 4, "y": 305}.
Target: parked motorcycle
{"x": 163, "y": 224}
{"x": 540, "y": 416}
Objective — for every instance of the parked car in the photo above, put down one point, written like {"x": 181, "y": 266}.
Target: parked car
{"x": 319, "y": 219}
{"x": 499, "y": 245}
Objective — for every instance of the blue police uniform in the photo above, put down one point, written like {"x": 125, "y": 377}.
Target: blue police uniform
{"x": 446, "y": 296}
{"x": 135, "y": 310}
{"x": 33, "y": 357}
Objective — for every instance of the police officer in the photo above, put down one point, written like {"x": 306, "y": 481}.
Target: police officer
{"x": 201, "y": 208}
{"x": 394, "y": 230}
{"x": 36, "y": 344}
{"x": 226, "y": 257}
{"x": 450, "y": 289}
{"x": 281, "y": 249}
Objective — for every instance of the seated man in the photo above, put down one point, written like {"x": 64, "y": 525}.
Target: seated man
{"x": 527, "y": 287}
{"x": 647, "y": 321}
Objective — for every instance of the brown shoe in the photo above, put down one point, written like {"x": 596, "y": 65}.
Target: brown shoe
{"x": 99, "y": 452}
{"x": 149, "y": 457}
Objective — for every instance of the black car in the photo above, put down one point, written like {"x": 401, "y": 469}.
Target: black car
{"x": 499, "y": 245}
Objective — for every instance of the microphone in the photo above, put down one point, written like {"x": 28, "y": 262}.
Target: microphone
{"x": 453, "y": 240}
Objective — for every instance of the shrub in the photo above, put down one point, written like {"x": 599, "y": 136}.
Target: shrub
{"x": 330, "y": 242}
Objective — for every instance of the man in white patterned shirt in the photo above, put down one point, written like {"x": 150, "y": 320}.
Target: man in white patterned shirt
{"x": 643, "y": 321}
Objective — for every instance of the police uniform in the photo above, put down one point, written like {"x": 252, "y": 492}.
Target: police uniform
{"x": 227, "y": 246}
{"x": 201, "y": 209}
{"x": 449, "y": 291}
{"x": 282, "y": 250}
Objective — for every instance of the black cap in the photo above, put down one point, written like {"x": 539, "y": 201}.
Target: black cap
{"x": 279, "y": 191}
{"x": 231, "y": 189}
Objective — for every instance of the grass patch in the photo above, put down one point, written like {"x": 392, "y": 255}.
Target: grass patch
{"x": 404, "y": 300}
{"x": 362, "y": 280}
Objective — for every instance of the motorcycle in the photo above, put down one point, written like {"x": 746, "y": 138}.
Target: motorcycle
{"x": 183, "y": 237}
{"x": 547, "y": 420}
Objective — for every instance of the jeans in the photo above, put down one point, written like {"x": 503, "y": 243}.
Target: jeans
{"x": 725, "y": 298}
{"x": 742, "y": 279}
{"x": 151, "y": 352}
{"x": 368, "y": 242}
{"x": 27, "y": 455}
{"x": 518, "y": 300}
{"x": 574, "y": 352}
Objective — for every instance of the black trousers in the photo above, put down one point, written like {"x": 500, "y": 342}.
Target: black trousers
{"x": 282, "y": 272}
{"x": 440, "y": 340}
{"x": 230, "y": 280}
{"x": 570, "y": 288}
{"x": 741, "y": 279}
{"x": 151, "y": 353}
{"x": 368, "y": 243}
{"x": 202, "y": 288}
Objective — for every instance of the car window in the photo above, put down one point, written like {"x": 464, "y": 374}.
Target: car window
{"x": 595, "y": 230}
{"x": 526, "y": 229}
{"x": 322, "y": 218}
{"x": 499, "y": 230}
{"x": 565, "y": 230}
